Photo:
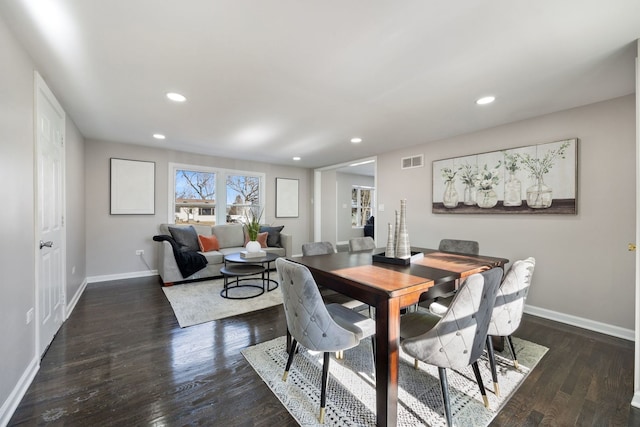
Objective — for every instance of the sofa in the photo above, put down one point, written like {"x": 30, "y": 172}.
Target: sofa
{"x": 230, "y": 239}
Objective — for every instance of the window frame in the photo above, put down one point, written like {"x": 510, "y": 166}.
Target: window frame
{"x": 372, "y": 191}
{"x": 221, "y": 188}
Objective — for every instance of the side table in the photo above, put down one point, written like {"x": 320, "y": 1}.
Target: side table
{"x": 238, "y": 271}
{"x": 263, "y": 261}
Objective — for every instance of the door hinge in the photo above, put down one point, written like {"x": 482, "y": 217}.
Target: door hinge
{"x": 62, "y": 221}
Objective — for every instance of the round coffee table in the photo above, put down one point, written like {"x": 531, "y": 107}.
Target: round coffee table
{"x": 238, "y": 271}
{"x": 267, "y": 259}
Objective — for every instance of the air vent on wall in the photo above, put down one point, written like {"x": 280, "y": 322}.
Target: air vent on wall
{"x": 413, "y": 162}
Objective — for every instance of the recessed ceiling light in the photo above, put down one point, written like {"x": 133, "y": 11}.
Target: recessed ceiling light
{"x": 296, "y": 158}
{"x": 159, "y": 136}
{"x": 486, "y": 100}
{"x": 176, "y": 97}
{"x": 356, "y": 140}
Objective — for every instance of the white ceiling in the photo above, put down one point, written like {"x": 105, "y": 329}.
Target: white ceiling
{"x": 268, "y": 80}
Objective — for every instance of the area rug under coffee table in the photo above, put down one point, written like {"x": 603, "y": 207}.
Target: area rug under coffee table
{"x": 200, "y": 302}
{"x": 351, "y": 397}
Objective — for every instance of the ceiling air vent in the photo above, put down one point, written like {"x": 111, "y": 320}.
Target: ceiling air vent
{"x": 413, "y": 162}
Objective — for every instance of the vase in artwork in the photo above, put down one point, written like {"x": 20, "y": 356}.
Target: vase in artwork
{"x": 253, "y": 246}
{"x": 486, "y": 198}
{"x": 539, "y": 195}
{"x": 403, "y": 248}
{"x": 512, "y": 191}
{"x": 390, "y": 252}
{"x": 450, "y": 196}
{"x": 469, "y": 195}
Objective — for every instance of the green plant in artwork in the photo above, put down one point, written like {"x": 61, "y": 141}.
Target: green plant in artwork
{"x": 487, "y": 178}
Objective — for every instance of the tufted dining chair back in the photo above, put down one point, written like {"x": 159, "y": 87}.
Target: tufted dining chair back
{"x": 470, "y": 247}
{"x": 512, "y": 295}
{"x": 317, "y": 248}
{"x": 361, "y": 244}
{"x": 308, "y": 319}
{"x": 458, "y": 338}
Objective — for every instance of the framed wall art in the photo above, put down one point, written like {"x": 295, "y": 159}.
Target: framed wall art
{"x": 132, "y": 187}
{"x": 286, "y": 198}
{"x": 536, "y": 179}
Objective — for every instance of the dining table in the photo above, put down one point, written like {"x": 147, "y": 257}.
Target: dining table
{"x": 391, "y": 285}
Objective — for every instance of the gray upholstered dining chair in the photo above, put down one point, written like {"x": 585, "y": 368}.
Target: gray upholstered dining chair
{"x": 324, "y": 248}
{"x": 507, "y": 311}
{"x": 365, "y": 243}
{"x": 314, "y": 325}
{"x": 457, "y": 339}
{"x": 317, "y": 248}
{"x": 469, "y": 247}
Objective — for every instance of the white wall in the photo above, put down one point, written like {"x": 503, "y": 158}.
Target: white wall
{"x": 75, "y": 212}
{"x": 113, "y": 239}
{"x": 583, "y": 266}
{"x": 17, "y": 243}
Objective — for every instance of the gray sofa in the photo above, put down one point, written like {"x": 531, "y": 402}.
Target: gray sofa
{"x": 231, "y": 239}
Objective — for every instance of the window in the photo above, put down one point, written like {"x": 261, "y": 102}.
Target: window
{"x": 201, "y": 195}
{"x": 243, "y": 193}
{"x": 194, "y": 190}
{"x": 361, "y": 205}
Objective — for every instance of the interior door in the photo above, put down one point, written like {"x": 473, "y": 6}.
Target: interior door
{"x": 50, "y": 284}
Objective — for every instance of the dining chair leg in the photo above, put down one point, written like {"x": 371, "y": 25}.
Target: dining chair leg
{"x": 492, "y": 363}
{"x": 442, "y": 372}
{"x": 513, "y": 352}
{"x": 325, "y": 382}
{"x": 483, "y": 392}
{"x": 292, "y": 352}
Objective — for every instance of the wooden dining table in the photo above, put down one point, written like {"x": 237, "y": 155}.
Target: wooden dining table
{"x": 389, "y": 288}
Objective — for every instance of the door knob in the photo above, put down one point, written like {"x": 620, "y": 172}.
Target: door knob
{"x": 47, "y": 244}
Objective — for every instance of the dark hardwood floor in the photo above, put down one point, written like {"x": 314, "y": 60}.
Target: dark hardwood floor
{"x": 121, "y": 359}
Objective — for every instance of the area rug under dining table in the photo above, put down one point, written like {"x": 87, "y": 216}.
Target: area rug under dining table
{"x": 351, "y": 394}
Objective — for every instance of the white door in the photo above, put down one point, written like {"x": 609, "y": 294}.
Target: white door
{"x": 50, "y": 259}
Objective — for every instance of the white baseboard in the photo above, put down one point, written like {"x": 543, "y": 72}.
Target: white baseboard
{"x": 592, "y": 325}
{"x": 72, "y": 304}
{"x": 11, "y": 404}
{"x": 132, "y": 275}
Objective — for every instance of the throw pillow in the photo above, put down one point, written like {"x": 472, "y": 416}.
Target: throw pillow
{"x": 262, "y": 239}
{"x": 273, "y": 240}
{"x": 185, "y": 237}
{"x": 208, "y": 243}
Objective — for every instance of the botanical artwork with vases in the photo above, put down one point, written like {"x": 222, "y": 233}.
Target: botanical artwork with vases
{"x": 536, "y": 179}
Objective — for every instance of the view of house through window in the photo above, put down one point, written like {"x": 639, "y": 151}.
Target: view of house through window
{"x": 208, "y": 196}
{"x": 361, "y": 205}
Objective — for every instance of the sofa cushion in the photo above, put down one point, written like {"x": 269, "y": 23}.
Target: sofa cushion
{"x": 229, "y": 235}
{"x": 214, "y": 257}
{"x": 208, "y": 243}
{"x": 273, "y": 240}
{"x": 186, "y": 237}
